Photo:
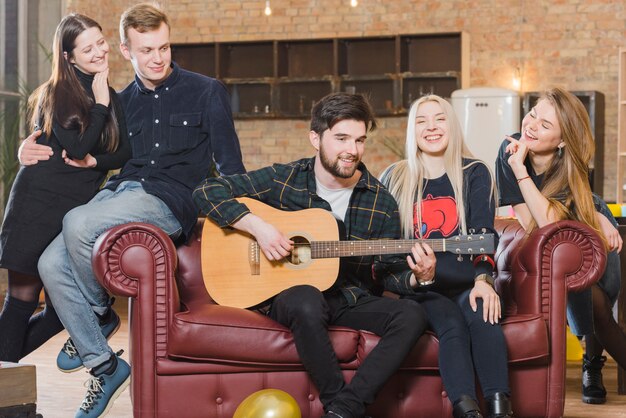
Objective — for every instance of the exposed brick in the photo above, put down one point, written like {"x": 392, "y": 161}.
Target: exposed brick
{"x": 572, "y": 43}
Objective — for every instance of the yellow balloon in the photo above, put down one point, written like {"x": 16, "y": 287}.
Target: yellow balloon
{"x": 268, "y": 403}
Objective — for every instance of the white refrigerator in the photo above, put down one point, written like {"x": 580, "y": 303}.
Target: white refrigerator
{"x": 487, "y": 115}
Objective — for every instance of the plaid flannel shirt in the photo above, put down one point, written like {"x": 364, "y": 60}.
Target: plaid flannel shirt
{"x": 372, "y": 212}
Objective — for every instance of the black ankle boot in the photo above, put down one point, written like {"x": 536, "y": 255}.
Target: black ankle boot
{"x": 466, "y": 407}
{"x": 593, "y": 389}
{"x": 499, "y": 406}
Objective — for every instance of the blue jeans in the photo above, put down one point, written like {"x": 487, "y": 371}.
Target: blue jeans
{"x": 579, "y": 305}
{"x": 65, "y": 266}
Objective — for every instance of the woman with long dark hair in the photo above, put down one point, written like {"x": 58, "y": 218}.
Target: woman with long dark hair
{"x": 82, "y": 121}
{"x": 543, "y": 173}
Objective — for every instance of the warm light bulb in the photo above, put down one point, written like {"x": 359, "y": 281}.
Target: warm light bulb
{"x": 516, "y": 83}
{"x": 517, "y": 79}
{"x": 354, "y": 3}
{"x": 268, "y": 9}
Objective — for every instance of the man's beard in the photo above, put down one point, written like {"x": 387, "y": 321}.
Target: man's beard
{"x": 335, "y": 169}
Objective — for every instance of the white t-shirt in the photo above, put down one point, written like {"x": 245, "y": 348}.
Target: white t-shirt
{"x": 338, "y": 198}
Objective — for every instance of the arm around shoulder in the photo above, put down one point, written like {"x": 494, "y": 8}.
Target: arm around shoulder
{"x": 30, "y": 152}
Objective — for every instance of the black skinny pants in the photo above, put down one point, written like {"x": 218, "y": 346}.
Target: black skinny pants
{"x": 466, "y": 343}
{"x": 308, "y": 313}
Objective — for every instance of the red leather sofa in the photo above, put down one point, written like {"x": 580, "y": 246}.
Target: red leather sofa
{"x": 193, "y": 358}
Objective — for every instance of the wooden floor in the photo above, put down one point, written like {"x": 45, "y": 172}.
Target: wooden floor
{"x": 60, "y": 394}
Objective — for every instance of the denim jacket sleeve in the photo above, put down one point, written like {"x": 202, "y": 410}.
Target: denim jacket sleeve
{"x": 603, "y": 209}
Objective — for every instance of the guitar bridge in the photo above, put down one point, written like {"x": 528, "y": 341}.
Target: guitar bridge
{"x": 254, "y": 258}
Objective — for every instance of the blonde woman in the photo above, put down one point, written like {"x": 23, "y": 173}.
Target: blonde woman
{"x": 543, "y": 173}
{"x": 443, "y": 191}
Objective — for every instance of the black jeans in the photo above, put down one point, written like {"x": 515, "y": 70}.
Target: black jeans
{"x": 308, "y": 313}
{"x": 466, "y": 342}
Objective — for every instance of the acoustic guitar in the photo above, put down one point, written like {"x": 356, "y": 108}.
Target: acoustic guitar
{"x": 237, "y": 273}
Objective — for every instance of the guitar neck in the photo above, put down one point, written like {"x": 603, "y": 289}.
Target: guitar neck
{"x": 330, "y": 249}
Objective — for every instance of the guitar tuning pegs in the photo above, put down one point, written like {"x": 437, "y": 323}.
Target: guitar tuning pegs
{"x": 459, "y": 258}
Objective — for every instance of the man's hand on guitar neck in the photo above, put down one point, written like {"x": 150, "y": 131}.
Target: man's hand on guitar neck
{"x": 273, "y": 243}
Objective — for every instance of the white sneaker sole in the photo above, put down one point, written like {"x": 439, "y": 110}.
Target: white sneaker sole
{"x": 119, "y": 324}
{"x": 116, "y": 395}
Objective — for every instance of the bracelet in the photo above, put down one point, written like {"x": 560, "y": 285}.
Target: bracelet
{"x": 427, "y": 282}
{"x": 484, "y": 278}
{"x": 485, "y": 258}
{"x": 523, "y": 178}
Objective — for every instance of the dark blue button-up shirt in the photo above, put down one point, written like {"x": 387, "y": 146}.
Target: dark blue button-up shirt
{"x": 176, "y": 133}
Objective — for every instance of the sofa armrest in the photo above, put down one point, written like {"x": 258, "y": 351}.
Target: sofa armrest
{"x": 560, "y": 257}
{"x": 538, "y": 271}
{"x": 139, "y": 261}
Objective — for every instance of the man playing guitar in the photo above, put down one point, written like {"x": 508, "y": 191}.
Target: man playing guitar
{"x": 336, "y": 180}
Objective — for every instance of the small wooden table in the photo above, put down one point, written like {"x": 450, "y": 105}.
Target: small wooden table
{"x": 18, "y": 390}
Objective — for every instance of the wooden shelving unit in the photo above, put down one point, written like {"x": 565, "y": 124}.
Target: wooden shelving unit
{"x": 283, "y": 79}
{"x": 621, "y": 130}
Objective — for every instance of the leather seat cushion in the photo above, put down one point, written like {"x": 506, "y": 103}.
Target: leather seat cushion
{"x": 224, "y": 334}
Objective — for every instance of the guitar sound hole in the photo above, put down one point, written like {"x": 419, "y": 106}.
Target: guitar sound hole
{"x": 301, "y": 253}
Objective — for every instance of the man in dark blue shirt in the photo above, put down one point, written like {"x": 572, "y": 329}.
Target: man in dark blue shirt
{"x": 179, "y": 123}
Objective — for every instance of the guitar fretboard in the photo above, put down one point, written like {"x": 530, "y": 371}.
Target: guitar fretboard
{"x": 330, "y": 249}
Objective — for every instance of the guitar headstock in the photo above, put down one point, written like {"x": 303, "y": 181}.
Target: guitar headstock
{"x": 471, "y": 244}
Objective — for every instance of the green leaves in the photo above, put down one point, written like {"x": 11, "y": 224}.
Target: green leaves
{"x": 13, "y": 113}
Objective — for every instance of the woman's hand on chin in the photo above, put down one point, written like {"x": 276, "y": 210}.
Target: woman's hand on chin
{"x": 518, "y": 152}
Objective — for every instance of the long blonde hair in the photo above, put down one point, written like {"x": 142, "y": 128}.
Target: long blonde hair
{"x": 566, "y": 181}
{"x": 405, "y": 179}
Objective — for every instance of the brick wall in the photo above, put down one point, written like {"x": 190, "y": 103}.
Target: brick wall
{"x": 570, "y": 43}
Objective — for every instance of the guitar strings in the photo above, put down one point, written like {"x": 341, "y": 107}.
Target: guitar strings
{"x": 342, "y": 248}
